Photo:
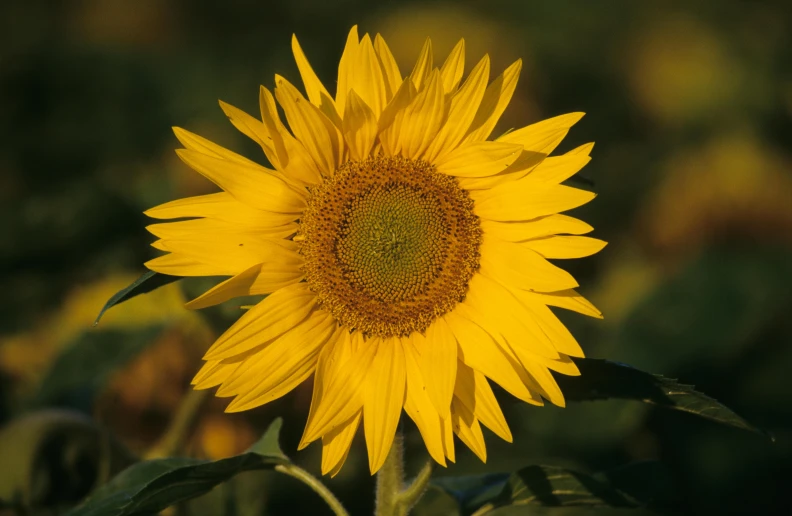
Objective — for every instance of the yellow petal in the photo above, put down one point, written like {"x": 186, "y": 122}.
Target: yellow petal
{"x": 545, "y": 382}
{"x": 359, "y": 127}
{"x": 289, "y": 154}
{"x": 467, "y": 427}
{"x": 213, "y": 373}
{"x": 464, "y": 105}
{"x": 196, "y": 227}
{"x": 569, "y": 300}
{"x": 221, "y": 206}
{"x": 498, "y": 304}
{"x": 453, "y": 67}
{"x": 496, "y": 98}
{"x": 313, "y": 86}
{"x": 536, "y": 147}
{"x": 336, "y": 346}
{"x": 478, "y": 350}
{"x": 346, "y": 68}
{"x": 256, "y": 280}
{"x": 543, "y": 136}
{"x": 315, "y": 131}
{"x": 390, "y": 70}
{"x": 437, "y": 356}
{"x": 225, "y": 252}
{"x": 253, "y": 185}
{"x": 521, "y": 267}
{"x": 390, "y": 123}
{"x": 525, "y": 200}
{"x": 558, "y": 334}
{"x": 478, "y": 159}
{"x": 281, "y": 365}
{"x": 524, "y": 345}
{"x": 197, "y": 143}
{"x": 268, "y": 139}
{"x": 563, "y": 365}
{"x": 336, "y": 444}
{"x": 276, "y": 314}
{"x": 343, "y": 397}
{"x": 383, "y": 400}
{"x": 423, "y": 66}
{"x": 475, "y": 393}
{"x": 537, "y": 228}
{"x": 560, "y": 168}
{"x": 175, "y": 264}
{"x": 420, "y": 408}
{"x": 492, "y": 326}
{"x": 250, "y": 127}
{"x": 561, "y": 246}
{"x": 422, "y": 119}
{"x": 448, "y": 438}
{"x": 518, "y": 349}
{"x": 368, "y": 80}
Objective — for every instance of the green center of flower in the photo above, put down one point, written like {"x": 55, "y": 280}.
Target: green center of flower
{"x": 389, "y": 245}
{"x": 392, "y": 243}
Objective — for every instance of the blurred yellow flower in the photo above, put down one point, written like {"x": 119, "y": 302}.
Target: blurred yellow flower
{"x": 27, "y": 355}
{"x": 681, "y": 71}
{"x": 405, "y": 255}
{"x": 735, "y": 186}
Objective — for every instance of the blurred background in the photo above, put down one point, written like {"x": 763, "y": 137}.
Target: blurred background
{"x": 690, "y": 106}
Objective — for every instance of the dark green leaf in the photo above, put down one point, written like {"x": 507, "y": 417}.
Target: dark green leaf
{"x": 151, "y": 486}
{"x": 603, "y": 379}
{"x": 577, "y": 510}
{"x": 83, "y": 367}
{"x": 631, "y": 487}
{"x": 146, "y": 283}
{"x": 471, "y": 492}
{"x": 557, "y": 487}
{"x": 437, "y": 502}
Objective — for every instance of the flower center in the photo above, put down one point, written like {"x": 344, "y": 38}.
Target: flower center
{"x": 389, "y": 245}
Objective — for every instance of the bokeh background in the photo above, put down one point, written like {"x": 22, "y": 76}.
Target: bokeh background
{"x": 690, "y": 106}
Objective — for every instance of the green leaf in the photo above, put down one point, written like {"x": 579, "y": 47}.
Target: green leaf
{"x": 436, "y": 502}
{"x": 471, "y": 492}
{"x": 558, "y": 487}
{"x": 576, "y": 510}
{"x": 634, "y": 486}
{"x": 269, "y": 444}
{"x": 146, "y": 283}
{"x": 84, "y": 366}
{"x": 151, "y": 486}
{"x": 603, "y": 379}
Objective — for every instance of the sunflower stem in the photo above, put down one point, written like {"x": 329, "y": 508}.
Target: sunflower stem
{"x": 408, "y": 498}
{"x": 319, "y": 488}
{"x": 390, "y": 478}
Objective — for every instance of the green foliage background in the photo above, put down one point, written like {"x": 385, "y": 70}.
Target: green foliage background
{"x": 690, "y": 106}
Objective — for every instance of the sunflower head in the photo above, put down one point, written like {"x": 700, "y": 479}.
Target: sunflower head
{"x": 403, "y": 254}
{"x": 389, "y": 245}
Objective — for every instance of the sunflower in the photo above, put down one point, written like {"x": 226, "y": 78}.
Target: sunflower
{"x": 403, "y": 254}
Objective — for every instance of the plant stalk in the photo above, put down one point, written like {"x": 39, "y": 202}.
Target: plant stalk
{"x": 390, "y": 478}
{"x": 319, "y": 488}
{"x": 392, "y": 498}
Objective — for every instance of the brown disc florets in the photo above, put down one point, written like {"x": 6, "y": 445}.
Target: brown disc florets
{"x": 389, "y": 245}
